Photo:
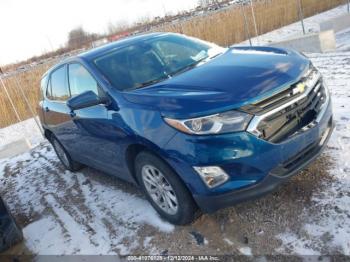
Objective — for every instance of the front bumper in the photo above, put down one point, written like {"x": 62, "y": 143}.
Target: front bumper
{"x": 272, "y": 181}
{"x": 255, "y": 166}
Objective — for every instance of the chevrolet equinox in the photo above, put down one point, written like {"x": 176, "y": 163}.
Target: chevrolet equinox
{"x": 196, "y": 126}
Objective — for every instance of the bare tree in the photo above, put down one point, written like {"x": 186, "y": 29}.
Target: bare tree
{"x": 119, "y": 26}
{"x": 78, "y": 37}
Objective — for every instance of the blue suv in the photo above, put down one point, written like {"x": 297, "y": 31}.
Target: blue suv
{"x": 195, "y": 125}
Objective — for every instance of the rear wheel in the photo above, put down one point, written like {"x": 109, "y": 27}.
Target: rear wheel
{"x": 164, "y": 189}
{"x": 64, "y": 156}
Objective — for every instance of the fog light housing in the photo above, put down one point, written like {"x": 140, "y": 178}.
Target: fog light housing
{"x": 212, "y": 176}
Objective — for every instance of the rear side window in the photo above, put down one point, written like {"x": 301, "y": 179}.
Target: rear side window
{"x": 80, "y": 80}
{"x": 49, "y": 90}
{"x": 43, "y": 87}
{"x": 59, "y": 85}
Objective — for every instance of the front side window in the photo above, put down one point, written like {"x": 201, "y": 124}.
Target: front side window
{"x": 80, "y": 80}
{"x": 58, "y": 84}
{"x": 153, "y": 60}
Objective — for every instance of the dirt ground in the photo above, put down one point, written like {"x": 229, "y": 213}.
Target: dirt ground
{"x": 246, "y": 228}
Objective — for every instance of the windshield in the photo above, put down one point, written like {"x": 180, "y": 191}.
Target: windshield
{"x": 154, "y": 60}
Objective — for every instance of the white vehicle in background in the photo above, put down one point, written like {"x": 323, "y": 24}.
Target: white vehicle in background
{"x": 34, "y": 64}
{"x": 99, "y": 42}
{"x": 21, "y": 69}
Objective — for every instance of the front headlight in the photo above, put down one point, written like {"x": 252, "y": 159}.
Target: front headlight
{"x": 231, "y": 121}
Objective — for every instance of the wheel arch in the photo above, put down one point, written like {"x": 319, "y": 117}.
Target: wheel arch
{"x": 133, "y": 150}
{"x": 48, "y": 134}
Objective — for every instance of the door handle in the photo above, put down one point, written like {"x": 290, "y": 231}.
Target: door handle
{"x": 46, "y": 109}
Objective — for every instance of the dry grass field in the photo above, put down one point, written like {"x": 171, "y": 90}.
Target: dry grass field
{"x": 224, "y": 27}
{"x": 29, "y": 83}
{"x": 227, "y": 27}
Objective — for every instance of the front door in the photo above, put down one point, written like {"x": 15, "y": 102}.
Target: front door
{"x": 95, "y": 139}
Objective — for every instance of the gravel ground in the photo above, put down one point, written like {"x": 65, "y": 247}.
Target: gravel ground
{"x": 245, "y": 228}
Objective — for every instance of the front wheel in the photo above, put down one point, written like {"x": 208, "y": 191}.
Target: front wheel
{"x": 164, "y": 189}
{"x": 64, "y": 156}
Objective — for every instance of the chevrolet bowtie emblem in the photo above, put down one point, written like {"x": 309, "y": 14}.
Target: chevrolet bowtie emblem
{"x": 300, "y": 88}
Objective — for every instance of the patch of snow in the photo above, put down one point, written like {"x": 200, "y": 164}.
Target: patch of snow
{"x": 244, "y": 250}
{"x": 23, "y": 130}
{"x": 147, "y": 241}
{"x": 247, "y": 251}
{"x": 129, "y": 208}
{"x": 343, "y": 40}
{"x": 330, "y": 229}
{"x": 296, "y": 245}
{"x": 295, "y": 29}
{"x": 45, "y": 237}
{"x": 332, "y": 224}
{"x": 105, "y": 221}
{"x": 228, "y": 241}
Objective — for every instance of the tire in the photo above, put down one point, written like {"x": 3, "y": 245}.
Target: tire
{"x": 10, "y": 232}
{"x": 64, "y": 156}
{"x": 164, "y": 190}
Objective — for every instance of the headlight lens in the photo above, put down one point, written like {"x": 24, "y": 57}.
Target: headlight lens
{"x": 311, "y": 76}
{"x": 231, "y": 121}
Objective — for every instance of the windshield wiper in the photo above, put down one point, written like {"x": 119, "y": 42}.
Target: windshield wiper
{"x": 167, "y": 76}
{"x": 151, "y": 82}
{"x": 188, "y": 67}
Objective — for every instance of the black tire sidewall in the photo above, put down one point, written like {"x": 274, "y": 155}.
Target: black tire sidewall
{"x": 187, "y": 208}
{"x": 72, "y": 165}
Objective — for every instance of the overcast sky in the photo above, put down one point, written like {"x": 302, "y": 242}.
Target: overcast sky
{"x": 30, "y": 27}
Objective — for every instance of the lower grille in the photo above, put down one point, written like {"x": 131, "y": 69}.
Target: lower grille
{"x": 305, "y": 155}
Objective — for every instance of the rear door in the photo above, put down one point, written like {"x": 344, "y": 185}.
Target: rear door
{"x": 56, "y": 112}
{"x": 40, "y": 106}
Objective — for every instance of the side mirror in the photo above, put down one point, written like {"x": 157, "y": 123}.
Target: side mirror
{"x": 84, "y": 100}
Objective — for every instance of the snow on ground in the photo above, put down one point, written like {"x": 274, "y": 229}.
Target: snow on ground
{"x": 332, "y": 225}
{"x": 343, "y": 40}
{"x": 332, "y": 222}
{"x": 91, "y": 213}
{"x": 94, "y": 228}
{"x": 26, "y": 129}
{"x": 295, "y": 29}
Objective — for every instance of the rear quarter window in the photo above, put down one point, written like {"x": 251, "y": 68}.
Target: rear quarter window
{"x": 43, "y": 87}
{"x": 58, "y": 85}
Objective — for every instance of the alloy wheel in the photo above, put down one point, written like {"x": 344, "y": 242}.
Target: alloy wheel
{"x": 159, "y": 189}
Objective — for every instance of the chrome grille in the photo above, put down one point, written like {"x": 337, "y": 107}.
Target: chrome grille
{"x": 287, "y": 113}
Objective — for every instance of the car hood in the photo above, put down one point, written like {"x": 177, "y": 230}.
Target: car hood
{"x": 240, "y": 76}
